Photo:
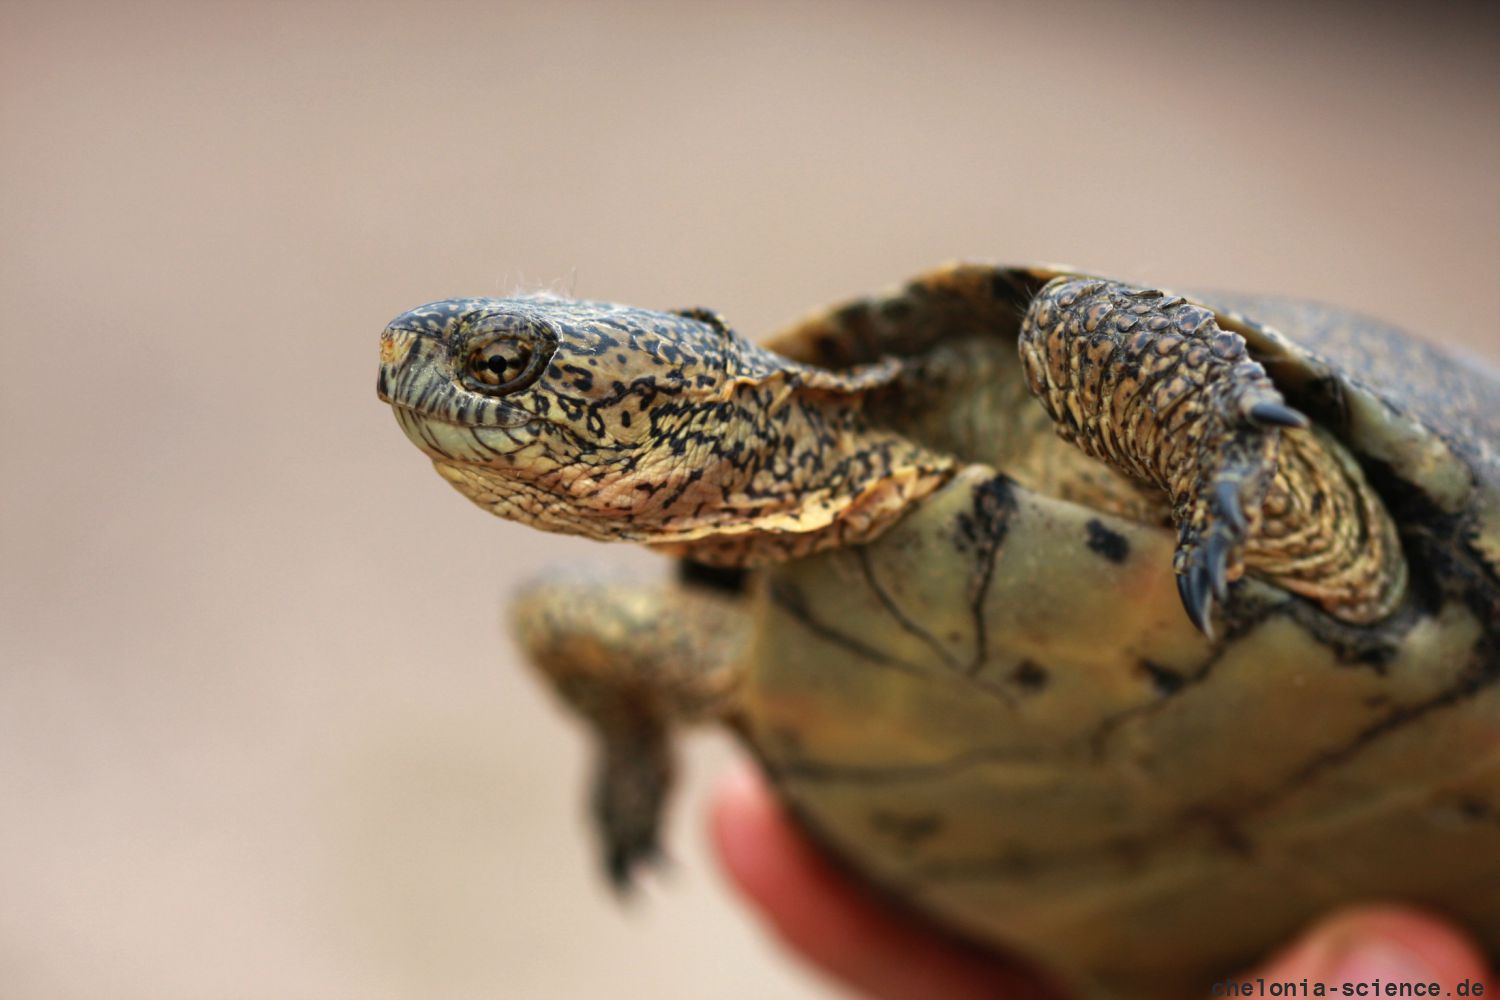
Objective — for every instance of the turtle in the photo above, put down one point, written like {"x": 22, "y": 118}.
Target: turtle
{"x": 1124, "y": 628}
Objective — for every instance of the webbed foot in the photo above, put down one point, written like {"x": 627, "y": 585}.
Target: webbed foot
{"x": 634, "y": 660}
{"x": 632, "y": 779}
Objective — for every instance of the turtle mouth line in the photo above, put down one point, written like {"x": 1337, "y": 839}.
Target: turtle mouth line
{"x": 463, "y": 443}
{"x": 509, "y": 421}
{"x": 411, "y": 380}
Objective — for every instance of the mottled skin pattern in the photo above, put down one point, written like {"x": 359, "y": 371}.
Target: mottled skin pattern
{"x": 1151, "y": 384}
{"x": 962, "y": 654}
{"x": 622, "y": 424}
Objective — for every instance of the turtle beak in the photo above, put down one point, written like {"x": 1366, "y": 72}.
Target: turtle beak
{"x": 415, "y": 375}
{"x": 422, "y": 331}
{"x": 395, "y": 348}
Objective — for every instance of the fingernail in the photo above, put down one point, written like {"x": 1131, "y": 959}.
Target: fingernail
{"x": 1383, "y": 960}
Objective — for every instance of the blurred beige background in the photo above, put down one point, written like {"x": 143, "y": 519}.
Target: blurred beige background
{"x": 260, "y": 734}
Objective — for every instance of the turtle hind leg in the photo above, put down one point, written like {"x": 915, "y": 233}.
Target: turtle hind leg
{"x": 631, "y": 782}
{"x": 634, "y": 660}
{"x": 1151, "y": 385}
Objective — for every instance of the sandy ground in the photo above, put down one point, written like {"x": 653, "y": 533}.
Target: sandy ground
{"x": 260, "y": 733}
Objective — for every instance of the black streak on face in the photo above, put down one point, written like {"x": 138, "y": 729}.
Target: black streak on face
{"x": 1109, "y": 544}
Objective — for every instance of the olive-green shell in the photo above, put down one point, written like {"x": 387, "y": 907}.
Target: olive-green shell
{"x": 1423, "y": 417}
{"x": 998, "y": 711}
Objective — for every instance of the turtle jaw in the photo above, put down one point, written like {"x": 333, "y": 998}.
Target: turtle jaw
{"x": 439, "y": 415}
{"x": 448, "y": 441}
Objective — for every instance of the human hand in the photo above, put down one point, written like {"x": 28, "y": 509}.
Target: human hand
{"x": 847, "y": 932}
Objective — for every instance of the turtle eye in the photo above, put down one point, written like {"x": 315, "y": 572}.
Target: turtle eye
{"x": 505, "y": 364}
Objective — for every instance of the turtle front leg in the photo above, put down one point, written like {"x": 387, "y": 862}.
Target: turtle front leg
{"x": 1153, "y": 386}
{"x": 634, "y": 659}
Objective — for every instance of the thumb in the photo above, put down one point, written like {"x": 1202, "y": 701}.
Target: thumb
{"x": 1390, "y": 943}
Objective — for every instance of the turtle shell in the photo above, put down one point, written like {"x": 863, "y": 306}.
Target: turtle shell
{"x": 1424, "y": 424}
{"x": 998, "y": 712}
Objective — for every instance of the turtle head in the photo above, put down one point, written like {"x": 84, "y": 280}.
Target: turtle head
{"x": 584, "y": 417}
{"x": 577, "y": 376}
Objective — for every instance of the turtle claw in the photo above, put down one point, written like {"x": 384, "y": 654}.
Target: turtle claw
{"x": 630, "y": 788}
{"x": 1204, "y": 579}
{"x": 1227, "y": 500}
{"x": 1156, "y": 388}
{"x": 1218, "y": 554}
{"x": 1234, "y": 466}
{"x": 624, "y": 861}
{"x": 1271, "y": 414}
{"x": 1211, "y": 544}
{"x": 1192, "y": 587}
